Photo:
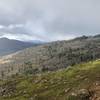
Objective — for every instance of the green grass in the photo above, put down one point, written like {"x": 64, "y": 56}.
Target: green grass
{"x": 52, "y": 85}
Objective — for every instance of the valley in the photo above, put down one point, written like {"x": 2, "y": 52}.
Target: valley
{"x": 61, "y": 70}
{"x": 52, "y": 56}
{"x": 49, "y": 49}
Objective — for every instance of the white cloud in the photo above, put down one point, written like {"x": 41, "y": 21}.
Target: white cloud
{"x": 2, "y": 27}
{"x": 18, "y": 37}
{"x": 11, "y": 26}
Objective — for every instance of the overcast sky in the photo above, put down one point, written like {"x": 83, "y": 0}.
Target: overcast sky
{"x": 49, "y": 20}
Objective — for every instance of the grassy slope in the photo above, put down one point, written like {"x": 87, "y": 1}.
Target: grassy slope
{"x": 52, "y": 86}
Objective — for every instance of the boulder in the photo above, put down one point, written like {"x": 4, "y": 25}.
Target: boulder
{"x": 83, "y": 94}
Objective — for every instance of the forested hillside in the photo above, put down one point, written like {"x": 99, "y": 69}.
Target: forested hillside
{"x": 51, "y": 56}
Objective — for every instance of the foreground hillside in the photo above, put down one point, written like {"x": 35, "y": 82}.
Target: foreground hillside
{"x": 52, "y": 56}
{"x": 80, "y": 82}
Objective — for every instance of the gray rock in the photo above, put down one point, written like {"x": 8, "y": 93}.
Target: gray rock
{"x": 84, "y": 94}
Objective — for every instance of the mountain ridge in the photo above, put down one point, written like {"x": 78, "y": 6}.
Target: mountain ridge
{"x": 54, "y": 55}
{"x": 8, "y": 46}
{"x": 62, "y": 70}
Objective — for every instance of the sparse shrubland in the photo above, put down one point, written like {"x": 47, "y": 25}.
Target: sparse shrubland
{"x": 52, "y": 56}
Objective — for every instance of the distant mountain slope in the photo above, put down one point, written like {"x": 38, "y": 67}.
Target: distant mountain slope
{"x": 53, "y": 56}
{"x": 8, "y": 46}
